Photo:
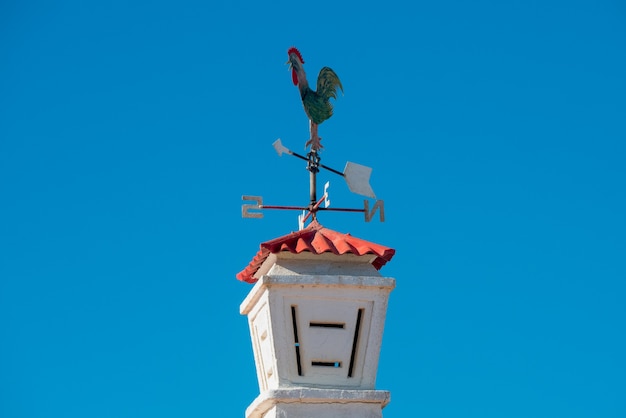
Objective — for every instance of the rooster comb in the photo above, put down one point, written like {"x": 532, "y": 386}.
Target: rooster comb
{"x": 294, "y": 50}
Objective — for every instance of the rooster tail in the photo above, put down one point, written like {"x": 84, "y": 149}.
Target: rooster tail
{"x": 327, "y": 83}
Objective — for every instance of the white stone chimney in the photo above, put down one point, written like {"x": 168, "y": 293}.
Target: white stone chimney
{"x": 316, "y": 315}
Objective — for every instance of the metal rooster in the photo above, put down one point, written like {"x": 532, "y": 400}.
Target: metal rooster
{"x": 316, "y": 104}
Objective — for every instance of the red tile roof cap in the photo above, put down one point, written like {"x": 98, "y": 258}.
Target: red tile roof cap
{"x": 317, "y": 240}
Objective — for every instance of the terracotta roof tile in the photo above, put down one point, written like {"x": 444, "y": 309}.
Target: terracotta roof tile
{"x": 317, "y": 240}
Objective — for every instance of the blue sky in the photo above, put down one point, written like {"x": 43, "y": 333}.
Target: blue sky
{"x": 129, "y": 132}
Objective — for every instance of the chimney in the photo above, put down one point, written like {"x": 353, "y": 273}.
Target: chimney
{"x": 316, "y": 315}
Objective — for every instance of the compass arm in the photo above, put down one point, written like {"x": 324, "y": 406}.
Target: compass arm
{"x": 251, "y": 210}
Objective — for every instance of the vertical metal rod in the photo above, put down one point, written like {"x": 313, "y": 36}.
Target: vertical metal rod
{"x": 313, "y": 167}
{"x": 313, "y": 187}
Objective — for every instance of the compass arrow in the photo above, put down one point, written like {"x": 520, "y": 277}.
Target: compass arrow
{"x": 357, "y": 176}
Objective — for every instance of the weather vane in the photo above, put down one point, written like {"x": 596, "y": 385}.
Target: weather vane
{"x": 318, "y": 108}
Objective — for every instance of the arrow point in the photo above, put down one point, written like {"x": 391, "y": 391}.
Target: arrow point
{"x": 358, "y": 178}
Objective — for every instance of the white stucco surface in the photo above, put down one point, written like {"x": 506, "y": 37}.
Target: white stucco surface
{"x": 315, "y": 403}
{"x": 316, "y": 323}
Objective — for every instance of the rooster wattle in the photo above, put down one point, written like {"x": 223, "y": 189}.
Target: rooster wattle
{"x": 316, "y": 103}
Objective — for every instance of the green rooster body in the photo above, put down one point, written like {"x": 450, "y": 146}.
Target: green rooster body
{"x": 316, "y": 103}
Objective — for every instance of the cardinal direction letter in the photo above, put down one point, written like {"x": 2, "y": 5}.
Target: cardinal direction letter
{"x": 247, "y": 207}
{"x": 326, "y": 196}
{"x": 301, "y": 219}
{"x": 379, "y": 205}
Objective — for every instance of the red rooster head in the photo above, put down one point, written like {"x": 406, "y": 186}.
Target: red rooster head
{"x": 295, "y": 64}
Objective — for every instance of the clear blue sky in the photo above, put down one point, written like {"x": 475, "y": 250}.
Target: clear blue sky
{"x": 130, "y": 130}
